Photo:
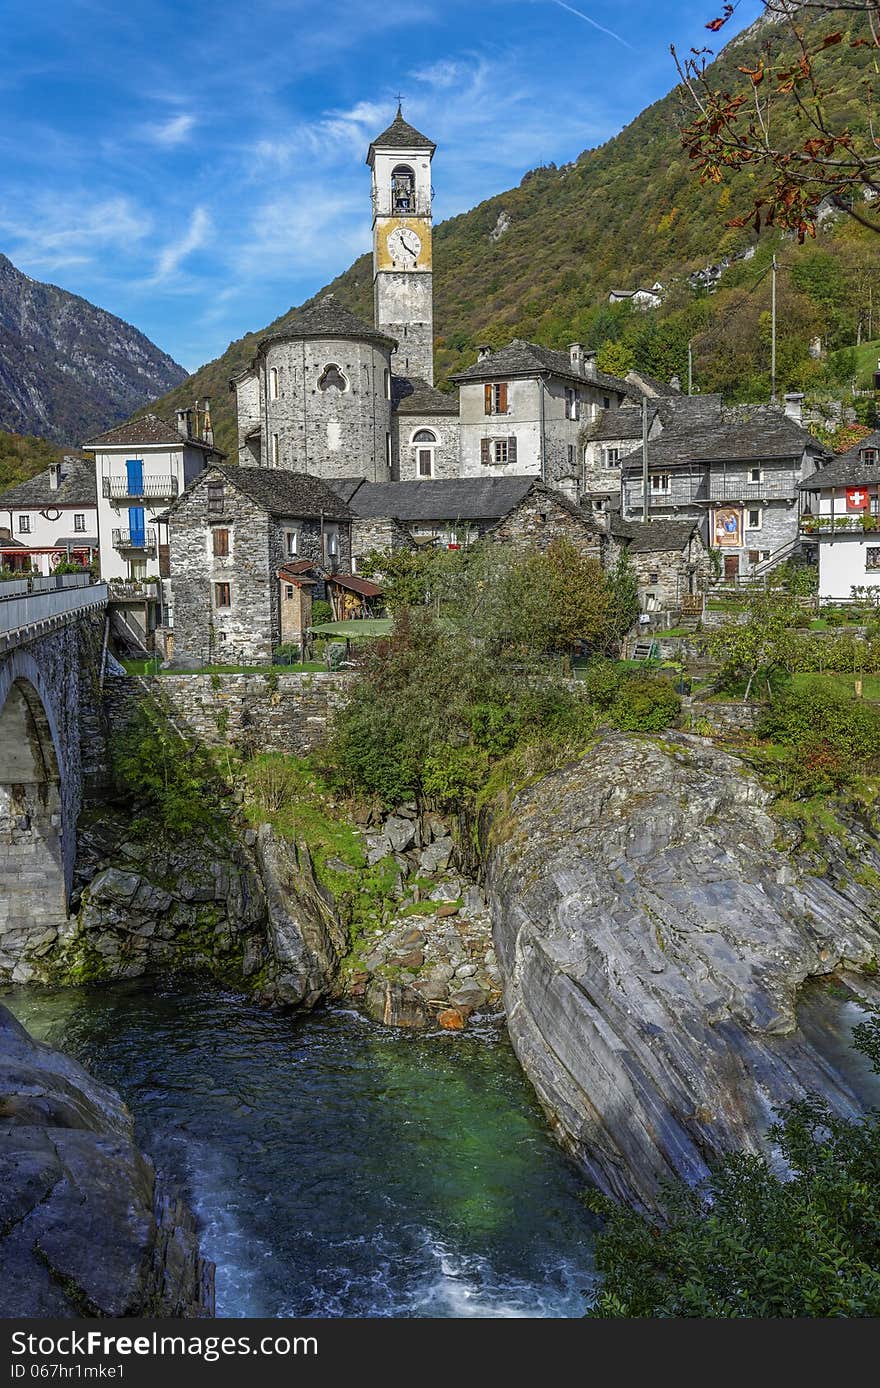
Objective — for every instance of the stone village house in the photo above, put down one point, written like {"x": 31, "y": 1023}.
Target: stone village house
{"x": 670, "y": 560}
{"x": 737, "y": 476}
{"x": 245, "y": 543}
{"x": 50, "y": 518}
{"x": 456, "y": 512}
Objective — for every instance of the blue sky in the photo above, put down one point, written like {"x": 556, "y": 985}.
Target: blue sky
{"x": 197, "y": 168}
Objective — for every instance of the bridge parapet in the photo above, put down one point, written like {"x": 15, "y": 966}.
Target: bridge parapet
{"x": 24, "y": 616}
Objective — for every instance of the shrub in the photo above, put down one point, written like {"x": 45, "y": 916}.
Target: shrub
{"x": 453, "y": 776}
{"x": 828, "y": 738}
{"x": 601, "y": 682}
{"x": 322, "y": 612}
{"x": 645, "y": 704}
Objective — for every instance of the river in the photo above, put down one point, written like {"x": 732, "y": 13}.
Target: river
{"x": 338, "y": 1168}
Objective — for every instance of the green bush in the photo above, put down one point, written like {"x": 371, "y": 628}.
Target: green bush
{"x": 828, "y": 739}
{"x": 453, "y": 776}
{"x": 601, "y": 682}
{"x": 645, "y": 704}
{"x": 321, "y": 612}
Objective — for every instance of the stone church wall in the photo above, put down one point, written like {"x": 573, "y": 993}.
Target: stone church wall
{"x": 330, "y": 433}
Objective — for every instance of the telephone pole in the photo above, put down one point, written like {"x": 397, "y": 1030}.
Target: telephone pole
{"x": 690, "y": 368}
{"x": 645, "y": 478}
{"x": 773, "y": 332}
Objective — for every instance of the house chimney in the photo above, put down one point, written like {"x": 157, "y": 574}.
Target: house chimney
{"x": 483, "y": 351}
{"x": 675, "y": 383}
{"x": 576, "y": 352}
{"x": 794, "y": 406}
{"x": 590, "y": 364}
{"x": 208, "y": 427}
{"x": 54, "y": 476}
{"x": 184, "y": 423}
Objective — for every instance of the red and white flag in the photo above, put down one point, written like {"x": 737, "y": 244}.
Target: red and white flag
{"x": 857, "y": 498}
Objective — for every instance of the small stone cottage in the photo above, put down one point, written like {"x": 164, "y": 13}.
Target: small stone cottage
{"x": 669, "y": 557}
{"x": 233, "y": 536}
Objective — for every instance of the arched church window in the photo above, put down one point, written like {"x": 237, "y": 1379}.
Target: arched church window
{"x": 403, "y": 191}
{"x": 332, "y": 378}
{"x": 424, "y": 442}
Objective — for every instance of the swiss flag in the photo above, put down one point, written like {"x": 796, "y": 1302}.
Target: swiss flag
{"x": 857, "y": 498}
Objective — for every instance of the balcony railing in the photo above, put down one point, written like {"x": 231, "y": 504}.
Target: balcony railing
{"x": 834, "y": 525}
{"x": 686, "y": 491}
{"x": 143, "y": 540}
{"x": 153, "y": 488}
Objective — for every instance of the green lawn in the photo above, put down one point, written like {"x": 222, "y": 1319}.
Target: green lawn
{"x": 867, "y": 356}
{"x": 844, "y": 684}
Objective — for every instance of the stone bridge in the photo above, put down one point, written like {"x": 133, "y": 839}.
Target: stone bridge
{"x": 52, "y": 638}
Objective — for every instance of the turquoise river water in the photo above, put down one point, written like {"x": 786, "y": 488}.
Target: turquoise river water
{"x": 338, "y": 1168}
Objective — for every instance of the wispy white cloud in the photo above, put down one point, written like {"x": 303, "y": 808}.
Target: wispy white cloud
{"x": 169, "y": 133}
{"x": 78, "y": 232}
{"x": 175, "y": 253}
{"x": 588, "y": 20}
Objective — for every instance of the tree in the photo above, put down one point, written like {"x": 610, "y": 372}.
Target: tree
{"x": 754, "y": 1243}
{"x": 791, "y": 128}
{"x": 760, "y": 644}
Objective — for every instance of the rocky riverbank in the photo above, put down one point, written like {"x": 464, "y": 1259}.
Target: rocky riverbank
{"x": 85, "y": 1227}
{"x": 655, "y": 925}
{"x": 431, "y": 959}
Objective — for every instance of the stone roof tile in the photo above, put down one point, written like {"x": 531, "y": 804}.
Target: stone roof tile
{"x": 521, "y": 358}
{"x": 77, "y": 488}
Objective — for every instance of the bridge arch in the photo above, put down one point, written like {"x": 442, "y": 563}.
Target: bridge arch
{"x": 37, "y": 844}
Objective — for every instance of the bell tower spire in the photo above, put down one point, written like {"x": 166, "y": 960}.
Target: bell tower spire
{"x": 403, "y": 281}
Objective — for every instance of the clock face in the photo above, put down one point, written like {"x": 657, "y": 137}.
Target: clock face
{"x": 404, "y": 245}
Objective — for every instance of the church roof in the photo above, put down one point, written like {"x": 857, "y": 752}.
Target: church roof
{"x": 77, "y": 487}
{"x": 327, "y": 318}
{"x": 520, "y": 358}
{"x": 412, "y": 395}
{"x": 399, "y": 135}
{"x": 149, "y": 429}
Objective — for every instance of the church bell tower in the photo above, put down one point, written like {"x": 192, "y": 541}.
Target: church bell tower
{"x": 403, "y": 280}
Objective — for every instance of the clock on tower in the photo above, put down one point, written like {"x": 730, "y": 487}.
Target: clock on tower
{"x": 403, "y": 288}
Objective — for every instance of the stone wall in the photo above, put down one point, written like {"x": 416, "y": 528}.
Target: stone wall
{"x": 377, "y": 533}
{"x": 540, "y": 519}
{"x": 275, "y": 713}
{"x": 446, "y": 452}
{"x": 329, "y": 433}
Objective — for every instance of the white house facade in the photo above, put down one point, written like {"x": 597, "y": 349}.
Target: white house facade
{"x": 50, "y": 519}
{"x": 840, "y": 515}
{"x": 140, "y": 468}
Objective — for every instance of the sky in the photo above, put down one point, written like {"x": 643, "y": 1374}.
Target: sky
{"x": 197, "y": 168}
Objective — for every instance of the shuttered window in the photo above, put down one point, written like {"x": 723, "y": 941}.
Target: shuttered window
{"x": 215, "y": 497}
{"x": 222, "y": 595}
{"x": 495, "y": 397}
{"x": 221, "y": 543}
{"x": 500, "y": 452}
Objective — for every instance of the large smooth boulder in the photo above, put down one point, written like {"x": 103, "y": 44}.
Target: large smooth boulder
{"x": 306, "y": 939}
{"x": 654, "y": 929}
{"x": 85, "y": 1228}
